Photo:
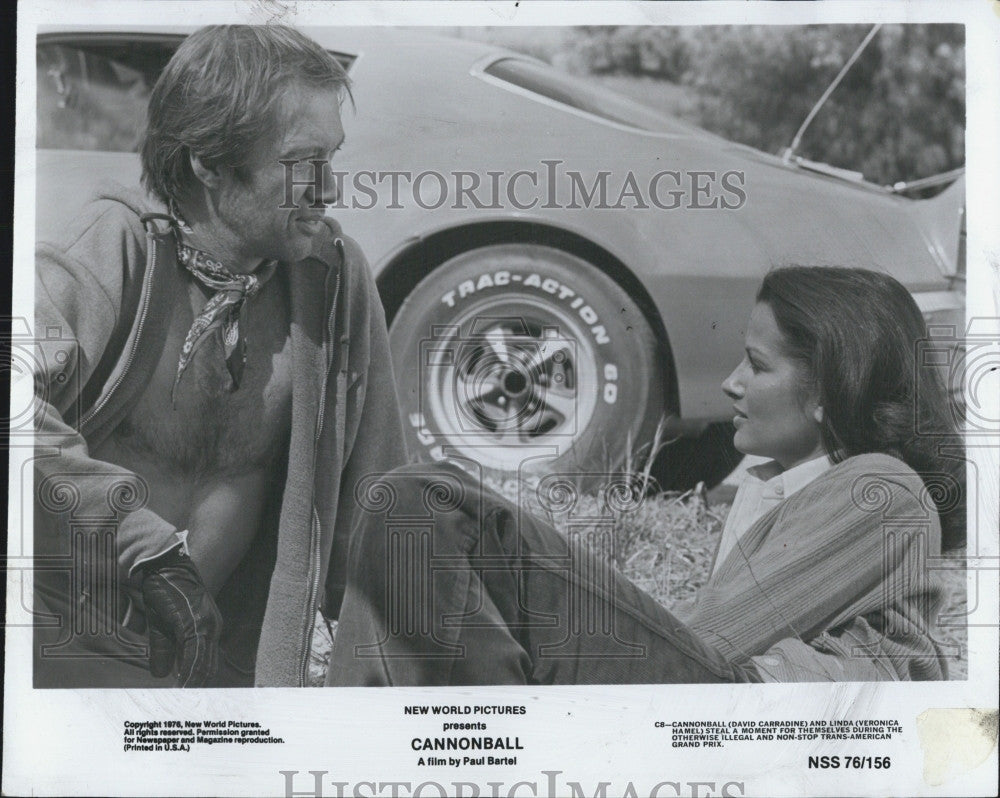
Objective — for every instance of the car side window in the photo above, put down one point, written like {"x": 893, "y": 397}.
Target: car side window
{"x": 90, "y": 100}
{"x": 93, "y": 91}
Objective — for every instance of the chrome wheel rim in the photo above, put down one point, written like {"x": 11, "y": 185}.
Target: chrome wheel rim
{"x": 512, "y": 379}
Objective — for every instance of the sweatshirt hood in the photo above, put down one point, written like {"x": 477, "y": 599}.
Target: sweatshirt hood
{"x": 134, "y": 198}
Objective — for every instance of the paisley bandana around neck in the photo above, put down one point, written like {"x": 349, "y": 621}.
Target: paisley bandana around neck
{"x": 222, "y": 311}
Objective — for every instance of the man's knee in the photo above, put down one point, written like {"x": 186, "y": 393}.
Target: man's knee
{"x": 438, "y": 503}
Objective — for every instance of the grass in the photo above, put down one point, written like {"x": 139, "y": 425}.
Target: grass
{"x": 665, "y": 547}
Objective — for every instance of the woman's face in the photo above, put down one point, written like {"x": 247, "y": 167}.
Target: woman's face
{"x": 776, "y": 415}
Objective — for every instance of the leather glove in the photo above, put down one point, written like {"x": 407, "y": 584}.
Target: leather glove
{"x": 184, "y": 623}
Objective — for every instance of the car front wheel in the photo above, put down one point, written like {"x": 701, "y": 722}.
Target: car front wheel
{"x": 525, "y": 358}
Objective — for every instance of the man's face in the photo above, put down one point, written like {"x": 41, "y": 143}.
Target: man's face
{"x": 309, "y": 129}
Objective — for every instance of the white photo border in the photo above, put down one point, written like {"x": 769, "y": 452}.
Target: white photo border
{"x": 62, "y": 742}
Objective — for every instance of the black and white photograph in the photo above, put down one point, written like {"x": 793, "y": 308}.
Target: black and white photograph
{"x": 602, "y": 397}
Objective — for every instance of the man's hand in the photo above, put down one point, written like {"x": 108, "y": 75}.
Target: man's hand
{"x": 184, "y": 623}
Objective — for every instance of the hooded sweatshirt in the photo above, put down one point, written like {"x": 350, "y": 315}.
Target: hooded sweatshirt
{"x": 100, "y": 324}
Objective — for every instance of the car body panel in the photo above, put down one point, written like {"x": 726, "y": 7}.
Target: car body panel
{"x": 698, "y": 266}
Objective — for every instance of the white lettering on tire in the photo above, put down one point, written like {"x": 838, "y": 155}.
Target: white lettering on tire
{"x": 425, "y": 436}
{"x": 549, "y": 285}
{"x": 610, "y": 392}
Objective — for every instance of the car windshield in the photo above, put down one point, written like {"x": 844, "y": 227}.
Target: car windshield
{"x": 543, "y": 80}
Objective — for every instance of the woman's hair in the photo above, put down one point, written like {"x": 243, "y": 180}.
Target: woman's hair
{"x": 220, "y": 95}
{"x": 858, "y": 333}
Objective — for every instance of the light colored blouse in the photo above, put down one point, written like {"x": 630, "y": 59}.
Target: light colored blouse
{"x": 764, "y": 486}
{"x": 831, "y": 583}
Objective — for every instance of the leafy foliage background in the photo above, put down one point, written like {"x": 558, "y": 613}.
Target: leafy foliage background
{"x": 899, "y": 114}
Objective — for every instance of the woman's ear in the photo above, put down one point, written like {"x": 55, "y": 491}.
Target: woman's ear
{"x": 817, "y": 414}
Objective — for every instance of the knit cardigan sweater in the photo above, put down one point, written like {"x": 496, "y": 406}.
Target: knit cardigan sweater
{"x": 99, "y": 303}
{"x": 833, "y": 584}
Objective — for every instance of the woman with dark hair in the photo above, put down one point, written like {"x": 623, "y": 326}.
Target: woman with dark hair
{"x": 821, "y": 572}
{"x": 855, "y": 332}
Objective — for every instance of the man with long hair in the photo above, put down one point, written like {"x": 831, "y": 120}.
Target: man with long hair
{"x": 227, "y": 382}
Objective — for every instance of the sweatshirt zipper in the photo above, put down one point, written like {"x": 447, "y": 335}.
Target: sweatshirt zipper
{"x": 314, "y": 530}
{"x": 315, "y": 526}
{"x": 143, "y": 311}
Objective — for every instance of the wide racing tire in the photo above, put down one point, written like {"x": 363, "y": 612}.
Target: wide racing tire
{"x": 526, "y": 359}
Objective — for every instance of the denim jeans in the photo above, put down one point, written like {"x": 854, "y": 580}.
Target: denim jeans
{"x": 451, "y": 584}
